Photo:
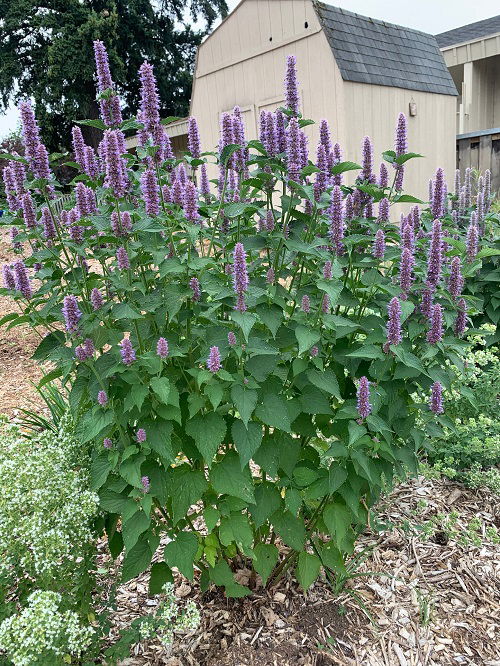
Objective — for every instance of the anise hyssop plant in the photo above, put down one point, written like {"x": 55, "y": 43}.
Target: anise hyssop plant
{"x": 242, "y": 351}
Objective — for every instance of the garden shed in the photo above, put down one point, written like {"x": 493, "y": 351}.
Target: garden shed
{"x": 356, "y": 72}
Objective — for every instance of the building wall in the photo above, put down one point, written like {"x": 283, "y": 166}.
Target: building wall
{"x": 373, "y": 110}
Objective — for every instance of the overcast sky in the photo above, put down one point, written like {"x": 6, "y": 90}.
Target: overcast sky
{"x": 432, "y": 16}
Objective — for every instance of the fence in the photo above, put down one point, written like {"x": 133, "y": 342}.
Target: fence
{"x": 480, "y": 150}
{"x": 59, "y": 204}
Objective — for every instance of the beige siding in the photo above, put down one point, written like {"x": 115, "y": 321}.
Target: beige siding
{"x": 373, "y": 110}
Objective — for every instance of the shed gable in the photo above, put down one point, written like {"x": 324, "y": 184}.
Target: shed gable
{"x": 384, "y": 54}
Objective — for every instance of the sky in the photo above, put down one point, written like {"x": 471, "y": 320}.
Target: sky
{"x": 432, "y": 16}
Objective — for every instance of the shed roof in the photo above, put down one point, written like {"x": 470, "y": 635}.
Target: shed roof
{"x": 384, "y": 54}
{"x": 467, "y": 33}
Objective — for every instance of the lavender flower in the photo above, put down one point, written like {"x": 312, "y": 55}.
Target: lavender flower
{"x": 293, "y": 144}
{"x": 8, "y": 277}
{"x": 140, "y": 437}
{"x": 472, "y": 240}
{"x": 383, "y": 210}
{"x": 30, "y": 132}
{"x": 321, "y": 182}
{"x": 78, "y": 146}
{"x": 177, "y": 192}
{"x": 231, "y": 338}
{"x": 240, "y": 276}
{"x": 456, "y": 282}
{"x": 280, "y": 131}
{"x": 190, "y": 203}
{"x": 327, "y": 270}
{"x": 435, "y": 260}
{"x": 213, "y": 361}
{"x": 102, "y": 398}
{"x": 107, "y": 443}
{"x": 367, "y": 161}
{"x": 467, "y": 189}
{"x": 194, "y": 138}
{"x": 162, "y": 348}
{"x": 76, "y": 233}
{"x": 435, "y": 333}
{"x": 337, "y": 226}
{"x": 96, "y": 298}
{"x": 127, "y": 351}
{"x": 29, "y": 213}
{"x": 49, "y": 228}
{"x": 363, "y": 398}
{"x": 122, "y": 259}
{"x": 406, "y": 272}
{"x": 269, "y": 221}
{"x": 91, "y": 165}
{"x": 461, "y": 318}
{"x": 10, "y": 189}
{"x": 487, "y": 190}
{"x": 195, "y": 288}
{"x": 71, "y": 312}
{"x": 400, "y": 148}
{"x": 394, "y": 336}
{"x": 379, "y": 245}
{"x": 349, "y": 207}
{"x": 110, "y": 108}
{"x": 146, "y": 484}
{"x": 270, "y": 276}
{"x": 14, "y": 233}
{"x": 426, "y": 304}
{"x": 437, "y": 208}
{"x": 383, "y": 179}
{"x": 314, "y": 351}
{"x": 325, "y": 304}
{"x": 306, "y": 304}
{"x": 324, "y": 136}
{"x": 408, "y": 236}
{"x": 436, "y": 401}
{"x": 204, "y": 182}
{"x": 116, "y": 176}
{"x": 150, "y": 192}
{"x": 291, "y": 85}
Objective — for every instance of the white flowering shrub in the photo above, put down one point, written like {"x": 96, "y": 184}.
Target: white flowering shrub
{"x": 42, "y": 633}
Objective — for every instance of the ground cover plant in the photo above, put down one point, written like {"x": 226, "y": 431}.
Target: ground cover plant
{"x": 242, "y": 355}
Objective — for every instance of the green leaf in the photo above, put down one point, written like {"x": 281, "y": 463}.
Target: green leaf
{"x": 326, "y": 381}
{"x": 132, "y": 529}
{"x": 215, "y": 393}
{"x": 342, "y": 167}
{"x": 307, "y": 570}
{"x": 124, "y": 311}
{"x": 170, "y": 119}
{"x": 161, "y": 388}
{"x": 407, "y": 358}
{"x": 227, "y": 151}
{"x": 92, "y": 123}
{"x": 211, "y": 517}
{"x": 227, "y": 477}
{"x": 91, "y": 424}
{"x": 244, "y": 400}
{"x": 267, "y": 501}
{"x": 181, "y": 553}
{"x": 405, "y": 157}
{"x": 332, "y": 288}
{"x": 130, "y": 470}
{"x": 273, "y": 412}
{"x": 271, "y": 316}
{"x": 368, "y": 351}
{"x": 161, "y": 573}
{"x": 245, "y": 321}
{"x": 135, "y": 397}
{"x": 290, "y": 528}
{"x": 266, "y": 556}
{"x": 187, "y": 488}
{"x": 236, "y": 528}
{"x": 306, "y": 337}
{"x": 247, "y": 439}
{"x": 208, "y": 432}
{"x": 49, "y": 343}
{"x": 136, "y": 560}
{"x": 221, "y": 574}
{"x": 99, "y": 470}
{"x": 337, "y": 519}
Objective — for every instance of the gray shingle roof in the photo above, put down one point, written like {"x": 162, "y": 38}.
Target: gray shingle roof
{"x": 371, "y": 51}
{"x": 466, "y": 33}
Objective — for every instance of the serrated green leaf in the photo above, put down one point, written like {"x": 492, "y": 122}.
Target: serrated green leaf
{"x": 290, "y": 528}
{"x": 273, "y": 412}
{"x": 208, "y": 432}
{"x": 247, "y": 439}
{"x": 181, "y": 552}
{"x": 99, "y": 470}
{"x": 266, "y": 557}
{"x": 267, "y": 502}
{"x": 161, "y": 573}
{"x": 236, "y": 528}
{"x": 136, "y": 560}
{"x": 306, "y": 337}
{"x": 132, "y": 529}
{"x": 187, "y": 487}
{"x": 307, "y": 570}
{"x": 245, "y": 320}
{"x": 245, "y": 401}
{"x": 326, "y": 381}
{"x": 161, "y": 388}
{"x": 228, "y": 478}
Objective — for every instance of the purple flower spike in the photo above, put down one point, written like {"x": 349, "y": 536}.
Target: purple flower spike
{"x": 363, "y": 396}
{"x": 269, "y": 220}
{"x": 472, "y": 241}
{"x": 116, "y": 175}
{"x": 240, "y": 276}
{"x": 314, "y": 351}
{"x": 436, "y": 401}
{"x": 327, "y": 270}
{"x": 162, "y": 348}
{"x": 190, "y": 203}
{"x": 367, "y": 162}
{"x": 306, "y": 304}
{"x": 204, "y": 182}
{"x": 379, "y": 245}
{"x": 8, "y": 277}
{"x": 291, "y": 85}
{"x": 383, "y": 179}
{"x": 337, "y": 225}
{"x": 194, "y": 138}
{"x": 96, "y": 299}
{"x": 280, "y": 131}
{"x": 10, "y": 189}
{"x": 461, "y": 318}
{"x": 213, "y": 361}
{"x": 383, "y": 210}
{"x": 231, "y": 338}
{"x": 435, "y": 333}
{"x": 107, "y": 443}
{"x": 30, "y": 132}
{"x": 325, "y": 136}
{"x": 401, "y": 138}
{"x": 102, "y": 398}
{"x": 29, "y": 213}
{"x": 270, "y": 276}
{"x": 146, "y": 484}
{"x": 127, "y": 351}
{"x": 408, "y": 237}
{"x": 49, "y": 228}
{"x": 122, "y": 259}
{"x": 91, "y": 165}
{"x": 456, "y": 282}
{"x": 140, "y": 435}
{"x": 437, "y": 208}
{"x": 406, "y": 272}
{"x": 325, "y": 304}
{"x": 71, "y": 312}
{"x": 435, "y": 260}
{"x": 78, "y": 146}
{"x": 195, "y": 288}
{"x": 293, "y": 156}
{"x": 394, "y": 336}
{"x": 426, "y": 305}
{"x": 150, "y": 100}
{"x": 110, "y": 108}
{"x": 150, "y": 192}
